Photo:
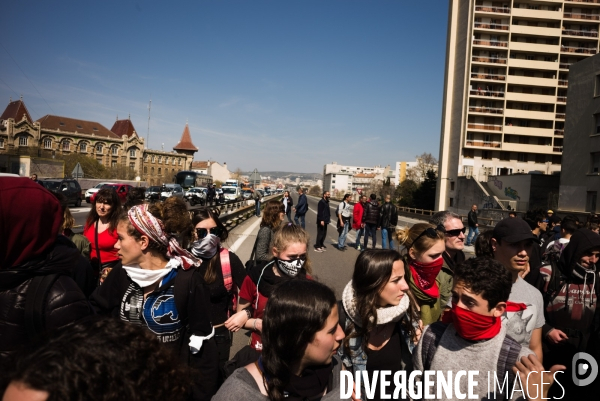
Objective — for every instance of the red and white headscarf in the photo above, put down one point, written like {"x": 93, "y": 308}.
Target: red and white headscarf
{"x": 143, "y": 221}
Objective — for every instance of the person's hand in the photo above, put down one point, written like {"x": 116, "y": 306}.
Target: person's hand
{"x": 294, "y": 209}
{"x": 556, "y": 336}
{"x": 237, "y": 321}
{"x": 418, "y": 331}
{"x": 537, "y": 382}
{"x": 322, "y": 223}
{"x": 476, "y": 225}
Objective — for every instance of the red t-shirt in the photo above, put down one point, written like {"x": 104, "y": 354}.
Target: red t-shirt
{"x": 249, "y": 292}
{"x": 107, "y": 241}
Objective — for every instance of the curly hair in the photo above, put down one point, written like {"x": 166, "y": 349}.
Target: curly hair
{"x": 288, "y": 234}
{"x": 101, "y": 359}
{"x": 412, "y": 238}
{"x": 135, "y": 196}
{"x": 271, "y": 214}
{"x": 109, "y": 196}
{"x": 202, "y": 214}
{"x": 485, "y": 276}
{"x": 372, "y": 271}
{"x": 296, "y": 311}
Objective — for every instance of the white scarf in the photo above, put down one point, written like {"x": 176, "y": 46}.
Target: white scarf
{"x": 384, "y": 315}
{"x": 145, "y": 277}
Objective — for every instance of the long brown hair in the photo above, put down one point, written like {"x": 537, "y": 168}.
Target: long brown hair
{"x": 203, "y": 214}
{"x": 271, "y": 217}
{"x": 107, "y": 195}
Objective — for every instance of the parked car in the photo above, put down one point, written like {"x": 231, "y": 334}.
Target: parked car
{"x": 66, "y": 186}
{"x": 153, "y": 193}
{"x": 169, "y": 190}
{"x": 247, "y": 195}
{"x": 121, "y": 189}
{"x": 196, "y": 195}
{"x": 91, "y": 191}
{"x": 231, "y": 193}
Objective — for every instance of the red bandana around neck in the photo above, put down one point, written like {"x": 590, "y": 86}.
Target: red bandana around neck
{"x": 470, "y": 325}
{"x": 424, "y": 276}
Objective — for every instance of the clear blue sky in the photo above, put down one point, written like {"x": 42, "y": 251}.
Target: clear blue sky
{"x": 273, "y": 85}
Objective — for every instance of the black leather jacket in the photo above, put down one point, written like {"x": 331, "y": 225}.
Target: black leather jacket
{"x": 388, "y": 216}
{"x": 371, "y": 212}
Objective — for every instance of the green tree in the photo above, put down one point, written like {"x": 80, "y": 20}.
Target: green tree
{"x": 315, "y": 190}
{"x": 405, "y": 192}
{"x": 91, "y": 167}
{"x": 424, "y": 196}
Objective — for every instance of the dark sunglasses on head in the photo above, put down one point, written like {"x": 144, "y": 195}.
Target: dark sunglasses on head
{"x": 203, "y": 232}
{"x": 430, "y": 232}
{"x": 456, "y": 232}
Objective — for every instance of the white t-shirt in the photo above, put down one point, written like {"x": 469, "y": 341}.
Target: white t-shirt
{"x": 520, "y": 325}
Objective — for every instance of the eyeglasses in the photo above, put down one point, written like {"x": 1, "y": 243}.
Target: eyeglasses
{"x": 455, "y": 232}
{"x": 430, "y": 232}
{"x": 203, "y": 232}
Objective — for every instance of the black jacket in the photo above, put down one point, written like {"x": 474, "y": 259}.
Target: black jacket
{"x": 302, "y": 206}
{"x": 66, "y": 303}
{"x": 388, "y": 216}
{"x": 472, "y": 216}
{"x": 323, "y": 212}
{"x": 371, "y": 212}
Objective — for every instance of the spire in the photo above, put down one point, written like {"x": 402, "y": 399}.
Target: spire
{"x": 185, "y": 143}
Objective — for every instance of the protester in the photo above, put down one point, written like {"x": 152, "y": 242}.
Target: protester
{"x": 473, "y": 225}
{"x": 257, "y": 201}
{"x": 343, "y": 223}
{"x": 454, "y": 243}
{"x": 379, "y": 315}
{"x": 424, "y": 245}
{"x": 135, "y": 196}
{"x": 157, "y": 287}
{"x": 289, "y": 262}
{"x": 483, "y": 248}
{"x": 101, "y": 230}
{"x": 300, "y": 337}
{"x": 370, "y": 219}
{"x": 472, "y": 338}
{"x": 223, "y": 273}
{"x": 35, "y": 265}
{"x": 98, "y": 359}
{"x": 301, "y": 209}
{"x": 273, "y": 215}
{"x": 288, "y": 203}
{"x": 571, "y": 298}
{"x": 511, "y": 243}
{"x": 323, "y": 219}
{"x": 34, "y": 178}
{"x": 357, "y": 223}
{"x": 388, "y": 220}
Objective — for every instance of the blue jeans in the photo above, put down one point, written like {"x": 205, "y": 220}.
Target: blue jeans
{"x": 386, "y": 238}
{"x": 473, "y": 233}
{"x": 301, "y": 222}
{"x": 370, "y": 231}
{"x": 257, "y": 204}
{"x": 342, "y": 237}
{"x": 359, "y": 233}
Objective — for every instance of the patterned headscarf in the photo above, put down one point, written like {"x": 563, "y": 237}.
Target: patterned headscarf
{"x": 143, "y": 221}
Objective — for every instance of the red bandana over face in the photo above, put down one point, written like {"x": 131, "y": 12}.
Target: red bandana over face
{"x": 424, "y": 276}
{"x": 473, "y": 326}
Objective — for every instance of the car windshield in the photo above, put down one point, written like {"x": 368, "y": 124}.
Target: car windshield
{"x": 229, "y": 190}
{"x": 99, "y": 186}
{"x": 51, "y": 185}
{"x": 166, "y": 189}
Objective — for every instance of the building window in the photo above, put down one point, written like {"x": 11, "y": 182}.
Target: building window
{"x": 468, "y": 153}
{"x": 159, "y": 159}
{"x": 146, "y": 157}
{"x": 451, "y": 202}
{"x": 595, "y": 163}
{"x": 132, "y": 166}
{"x": 174, "y": 160}
{"x": 180, "y": 161}
{"x": 522, "y": 157}
{"x": 99, "y": 148}
{"x": 83, "y": 147}
{"x": 22, "y": 141}
{"x": 597, "y": 88}
{"x": 159, "y": 171}
{"x": 115, "y": 150}
{"x": 1, "y": 143}
{"x": 166, "y": 160}
{"x": 486, "y": 154}
{"x": 113, "y": 163}
{"x": 153, "y": 158}
{"x": 131, "y": 152}
{"x": 597, "y": 117}
{"x": 152, "y": 170}
{"x": 451, "y": 185}
{"x": 66, "y": 146}
{"x": 145, "y": 169}
{"x": 48, "y": 143}
{"x": 592, "y": 199}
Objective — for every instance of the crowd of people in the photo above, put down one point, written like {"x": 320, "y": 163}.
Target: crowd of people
{"x": 144, "y": 304}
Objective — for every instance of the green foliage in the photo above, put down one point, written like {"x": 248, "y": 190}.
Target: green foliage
{"x": 424, "y": 196}
{"x": 218, "y": 183}
{"x": 315, "y": 190}
{"x": 91, "y": 167}
{"x": 405, "y": 192}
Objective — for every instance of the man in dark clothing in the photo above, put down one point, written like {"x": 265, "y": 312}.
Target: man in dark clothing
{"x": 473, "y": 226}
{"x": 257, "y": 198}
{"x": 301, "y": 208}
{"x": 323, "y": 218}
{"x": 388, "y": 219}
{"x": 210, "y": 194}
{"x": 371, "y": 219}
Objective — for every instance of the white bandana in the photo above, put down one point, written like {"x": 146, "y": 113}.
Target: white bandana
{"x": 384, "y": 315}
{"x": 145, "y": 277}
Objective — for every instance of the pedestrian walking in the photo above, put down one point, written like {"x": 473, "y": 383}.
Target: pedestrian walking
{"x": 323, "y": 219}
{"x": 257, "y": 200}
{"x": 388, "y": 220}
{"x": 370, "y": 219}
{"x": 343, "y": 223}
{"x": 357, "y": 223}
{"x": 301, "y": 208}
{"x": 288, "y": 203}
{"x": 473, "y": 226}
{"x": 210, "y": 194}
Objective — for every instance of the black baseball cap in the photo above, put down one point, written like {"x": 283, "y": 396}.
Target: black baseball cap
{"x": 513, "y": 230}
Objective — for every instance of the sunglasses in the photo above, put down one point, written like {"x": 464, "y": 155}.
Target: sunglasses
{"x": 293, "y": 257}
{"x": 430, "y": 232}
{"x": 203, "y": 232}
{"x": 455, "y": 232}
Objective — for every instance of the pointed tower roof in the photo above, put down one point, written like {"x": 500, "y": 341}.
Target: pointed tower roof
{"x": 185, "y": 143}
{"x": 123, "y": 127}
{"x": 16, "y": 110}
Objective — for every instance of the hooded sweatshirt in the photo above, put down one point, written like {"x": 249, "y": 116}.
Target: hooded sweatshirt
{"x": 572, "y": 309}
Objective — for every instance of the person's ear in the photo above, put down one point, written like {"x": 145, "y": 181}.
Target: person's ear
{"x": 494, "y": 244}
{"x": 274, "y": 252}
{"x": 144, "y": 242}
{"x": 411, "y": 252}
{"x": 499, "y": 309}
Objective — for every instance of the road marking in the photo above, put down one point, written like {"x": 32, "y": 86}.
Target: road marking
{"x": 244, "y": 236}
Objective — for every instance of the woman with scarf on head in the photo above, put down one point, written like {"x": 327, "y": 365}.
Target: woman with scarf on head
{"x": 299, "y": 361}
{"x": 424, "y": 244}
{"x": 223, "y": 273}
{"x": 158, "y": 287}
{"x": 379, "y": 316}
{"x": 289, "y": 261}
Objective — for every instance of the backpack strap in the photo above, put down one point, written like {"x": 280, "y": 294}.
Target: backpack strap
{"x": 226, "y": 268}
{"x": 509, "y": 353}
{"x": 35, "y": 303}
{"x": 431, "y": 340}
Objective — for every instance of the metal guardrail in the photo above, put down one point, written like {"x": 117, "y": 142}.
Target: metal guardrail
{"x": 488, "y": 222}
{"x": 235, "y": 212}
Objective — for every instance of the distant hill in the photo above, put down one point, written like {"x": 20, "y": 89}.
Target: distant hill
{"x": 290, "y": 175}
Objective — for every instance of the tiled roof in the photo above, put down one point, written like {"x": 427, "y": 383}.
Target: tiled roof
{"x": 200, "y": 165}
{"x": 185, "y": 143}
{"x": 123, "y": 127}
{"x": 66, "y": 124}
{"x": 16, "y": 110}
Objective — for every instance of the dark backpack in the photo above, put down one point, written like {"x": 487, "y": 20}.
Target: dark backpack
{"x": 509, "y": 353}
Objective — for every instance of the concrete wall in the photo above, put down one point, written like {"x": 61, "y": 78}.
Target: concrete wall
{"x": 513, "y": 187}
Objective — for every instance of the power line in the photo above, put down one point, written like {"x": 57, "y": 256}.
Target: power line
{"x": 23, "y": 72}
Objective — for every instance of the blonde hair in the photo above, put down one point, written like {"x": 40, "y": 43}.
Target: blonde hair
{"x": 408, "y": 236}
{"x": 289, "y": 234}
{"x": 68, "y": 220}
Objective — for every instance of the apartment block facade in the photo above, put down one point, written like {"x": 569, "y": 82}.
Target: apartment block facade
{"x": 505, "y": 85}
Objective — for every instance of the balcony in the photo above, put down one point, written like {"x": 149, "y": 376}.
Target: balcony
{"x": 488, "y": 9}
{"x": 561, "y": 99}
{"x": 493, "y": 77}
{"x": 536, "y": 115}
{"x": 560, "y": 116}
{"x": 583, "y": 1}
{"x": 565, "y": 66}
{"x": 484, "y": 144}
{"x": 579, "y": 50}
{"x": 534, "y": 47}
{"x": 528, "y": 131}
{"x": 485, "y": 127}
{"x": 527, "y": 13}
{"x": 585, "y": 34}
{"x": 530, "y": 97}
{"x": 492, "y": 26}
{"x": 537, "y": 81}
{"x": 493, "y": 43}
{"x": 563, "y": 82}
{"x": 487, "y": 59}
{"x": 535, "y": 30}
{"x": 486, "y": 93}
{"x": 533, "y": 64}
{"x": 486, "y": 110}
{"x": 559, "y": 132}
{"x": 557, "y": 149}
{"x": 587, "y": 17}
{"x": 526, "y": 147}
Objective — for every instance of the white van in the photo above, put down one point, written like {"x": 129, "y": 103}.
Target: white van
{"x": 231, "y": 193}
{"x": 169, "y": 190}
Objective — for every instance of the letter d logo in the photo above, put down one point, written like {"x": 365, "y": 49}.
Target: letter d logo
{"x": 585, "y": 369}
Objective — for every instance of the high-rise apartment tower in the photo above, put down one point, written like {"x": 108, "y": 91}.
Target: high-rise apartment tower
{"x": 505, "y": 86}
